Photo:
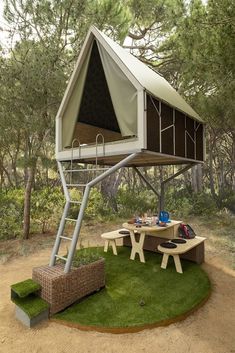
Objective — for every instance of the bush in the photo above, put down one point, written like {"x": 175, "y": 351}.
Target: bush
{"x": 177, "y": 203}
{"x": 131, "y": 203}
{"x": 46, "y": 208}
{"x": 203, "y": 205}
{"x": 98, "y": 207}
{"x": 227, "y": 200}
{"x": 11, "y": 215}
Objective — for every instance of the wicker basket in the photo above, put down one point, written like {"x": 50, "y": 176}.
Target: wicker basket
{"x": 61, "y": 289}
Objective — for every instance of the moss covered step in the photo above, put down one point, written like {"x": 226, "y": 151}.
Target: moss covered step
{"x": 24, "y": 288}
{"x": 30, "y": 308}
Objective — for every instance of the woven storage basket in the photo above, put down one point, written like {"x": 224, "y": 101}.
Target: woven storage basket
{"x": 61, "y": 289}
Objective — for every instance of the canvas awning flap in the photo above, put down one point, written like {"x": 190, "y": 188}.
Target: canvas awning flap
{"x": 123, "y": 94}
{"x": 150, "y": 80}
{"x": 73, "y": 105}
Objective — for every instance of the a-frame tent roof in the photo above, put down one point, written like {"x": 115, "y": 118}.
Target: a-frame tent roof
{"x": 126, "y": 75}
{"x": 149, "y": 79}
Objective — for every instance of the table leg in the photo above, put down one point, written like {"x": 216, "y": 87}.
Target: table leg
{"x": 106, "y": 245}
{"x": 177, "y": 263}
{"x": 164, "y": 261}
{"x": 137, "y": 247}
{"x": 113, "y": 244}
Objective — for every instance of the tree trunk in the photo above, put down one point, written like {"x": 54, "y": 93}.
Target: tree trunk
{"x": 109, "y": 188}
{"x": 233, "y": 161}
{"x": 27, "y": 201}
{"x": 196, "y": 175}
{"x": 211, "y": 174}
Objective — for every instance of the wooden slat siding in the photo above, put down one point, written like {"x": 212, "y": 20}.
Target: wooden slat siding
{"x": 179, "y": 134}
{"x": 167, "y": 135}
{"x": 152, "y": 125}
{"x": 199, "y": 142}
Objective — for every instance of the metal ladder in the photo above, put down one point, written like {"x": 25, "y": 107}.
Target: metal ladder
{"x": 83, "y": 203}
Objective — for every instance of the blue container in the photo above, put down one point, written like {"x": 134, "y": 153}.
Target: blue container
{"x": 164, "y": 216}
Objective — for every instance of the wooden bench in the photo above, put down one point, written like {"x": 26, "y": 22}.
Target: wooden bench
{"x": 110, "y": 239}
{"x": 180, "y": 249}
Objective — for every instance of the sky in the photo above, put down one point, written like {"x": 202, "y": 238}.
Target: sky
{"x": 3, "y": 25}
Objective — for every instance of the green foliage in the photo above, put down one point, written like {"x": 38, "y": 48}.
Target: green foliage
{"x": 178, "y": 203}
{"x": 203, "y": 205}
{"x": 11, "y": 215}
{"x": 31, "y": 305}
{"x": 182, "y": 203}
{"x": 24, "y": 288}
{"x": 226, "y": 199}
{"x": 131, "y": 202}
{"x": 85, "y": 257}
{"x": 47, "y": 205}
{"x": 98, "y": 207}
{"x": 46, "y": 211}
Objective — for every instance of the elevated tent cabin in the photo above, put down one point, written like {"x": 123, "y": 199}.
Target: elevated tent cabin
{"x": 117, "y": 112}
{"x": 136, "y": 110}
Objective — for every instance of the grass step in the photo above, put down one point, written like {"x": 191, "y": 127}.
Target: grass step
{"x": 32, "y": 305}
{"x": 24, "y": 288}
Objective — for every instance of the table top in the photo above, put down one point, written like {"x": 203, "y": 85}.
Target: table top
{"x": 155, "y": 228}
{"x": 182, "y": 248}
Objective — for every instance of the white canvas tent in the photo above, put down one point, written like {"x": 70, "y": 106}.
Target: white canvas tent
{"x": 143, "y": 120}
{"x": 125, "y": 124}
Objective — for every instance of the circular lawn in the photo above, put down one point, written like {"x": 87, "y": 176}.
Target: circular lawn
{"x": 138, "y": 295}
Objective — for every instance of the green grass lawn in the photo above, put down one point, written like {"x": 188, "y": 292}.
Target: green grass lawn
{"x": 32, "y": 305}
{"x": 23, "y": 289}
{"x": 138, "y": 294}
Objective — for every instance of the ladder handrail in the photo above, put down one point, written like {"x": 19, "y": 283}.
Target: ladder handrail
{"x": 79, "y": 154}
{"x": 96, "y": 147}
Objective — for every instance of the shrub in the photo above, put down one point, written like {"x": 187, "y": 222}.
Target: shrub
{"x": 46, "y": 208}
{"x": 203, "y": 205}
{"x": 11, "y": 215}
{"x": 178, "y": 203}
{"x": 131, "y": 202}
{"x": 227, "y": 200}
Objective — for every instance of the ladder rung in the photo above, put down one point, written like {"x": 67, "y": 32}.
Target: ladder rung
{"x": 61, "y": 257}
{"x": 65, "y": 238}
{"x": 77, "y": 185}
{"x": 78, "y": 202}
{"x": 71, "y": 219}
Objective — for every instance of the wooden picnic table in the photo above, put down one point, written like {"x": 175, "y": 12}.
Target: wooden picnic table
{"x": 168, "y": 232}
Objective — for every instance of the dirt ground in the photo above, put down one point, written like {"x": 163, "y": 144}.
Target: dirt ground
{"x": 210, "y": 330}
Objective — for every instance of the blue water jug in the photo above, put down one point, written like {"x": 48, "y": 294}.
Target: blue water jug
{"x": 164, "y": 216}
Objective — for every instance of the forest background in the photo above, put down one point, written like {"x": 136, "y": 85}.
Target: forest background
{"x": 190, "y": 43}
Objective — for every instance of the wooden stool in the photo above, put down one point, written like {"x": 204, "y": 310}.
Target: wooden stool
{"x": 110, "y": 239}
{"x": 180, "y": 249}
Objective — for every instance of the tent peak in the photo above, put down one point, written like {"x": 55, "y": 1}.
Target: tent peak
{"x": 145, "y": 76}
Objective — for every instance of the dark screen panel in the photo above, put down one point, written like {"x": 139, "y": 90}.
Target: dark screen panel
{"x": 167, "y": 135}
{"x": 167, "y": 115}
{"x": 96, "y": 105}
{"x": 190, "y": 131}
{"x": 199, "y": 142}
{"x": 179, "y": 134}
{"x": 152, "y": 124}
{"x": 167, "y": 141}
